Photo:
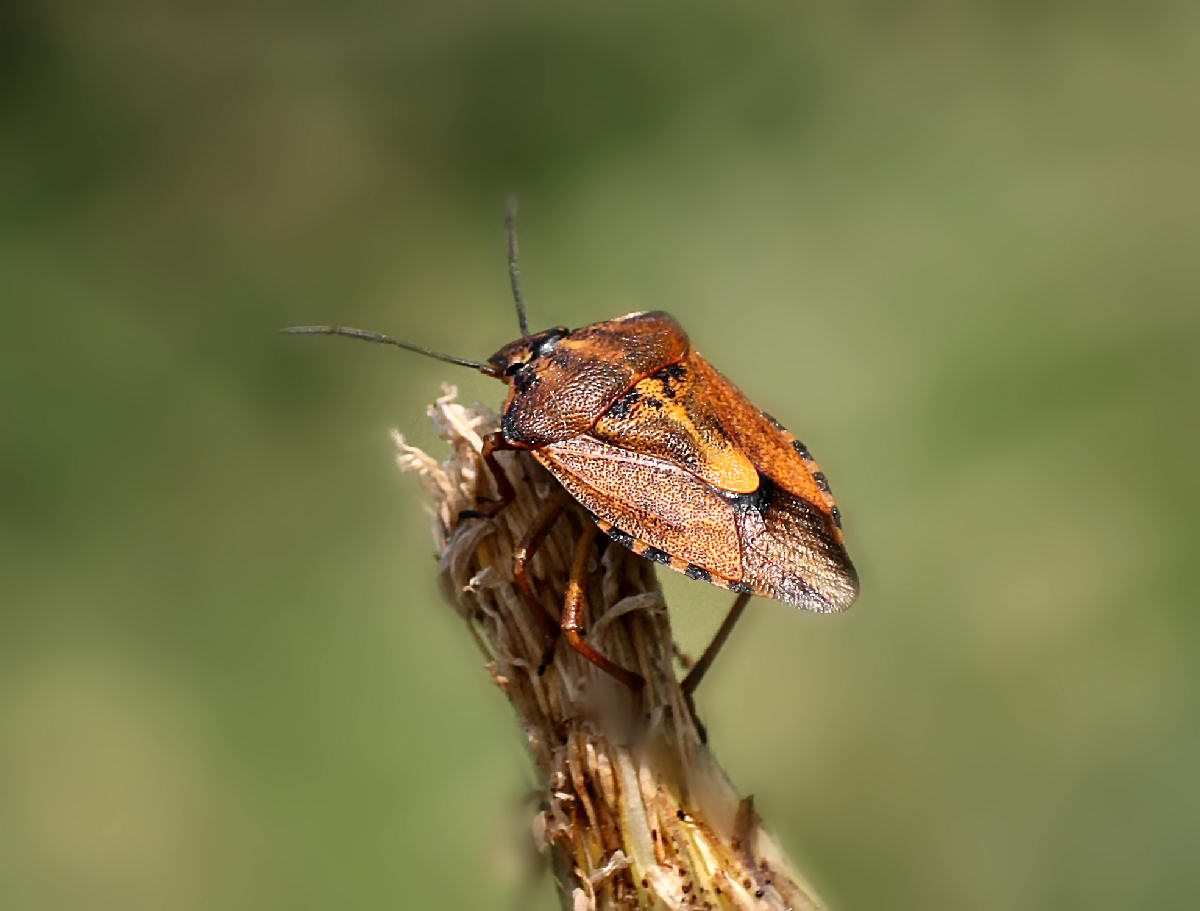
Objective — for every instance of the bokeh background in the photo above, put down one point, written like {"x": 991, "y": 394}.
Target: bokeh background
{"x": 952, "y": 246}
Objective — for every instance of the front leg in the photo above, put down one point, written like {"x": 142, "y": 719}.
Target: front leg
{"x": 493, "y": 443}
{"x": 526, "y": 547}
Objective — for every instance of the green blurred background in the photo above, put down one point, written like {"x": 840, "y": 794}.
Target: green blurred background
{"x": 953, "y": 247}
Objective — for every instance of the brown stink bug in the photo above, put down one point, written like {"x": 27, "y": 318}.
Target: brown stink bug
{"x": 669, "y": 458}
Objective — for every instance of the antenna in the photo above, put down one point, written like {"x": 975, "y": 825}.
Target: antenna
{"x": 514, "y": 273}
{"x": 363, "y": 335}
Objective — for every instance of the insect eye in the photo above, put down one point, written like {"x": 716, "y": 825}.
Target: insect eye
{"x": 546, "y": 345}
{"x": 514, "y": 368}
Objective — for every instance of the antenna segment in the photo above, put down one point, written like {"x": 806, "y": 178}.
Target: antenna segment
{"x": 363, "y": 335}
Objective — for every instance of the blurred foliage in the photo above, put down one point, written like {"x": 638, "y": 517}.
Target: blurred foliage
{"x": 952, "y": 246}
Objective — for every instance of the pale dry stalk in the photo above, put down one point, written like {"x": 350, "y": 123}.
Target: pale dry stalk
{"x": 635, "y": 811}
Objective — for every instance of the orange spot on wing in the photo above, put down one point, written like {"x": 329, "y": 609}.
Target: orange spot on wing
{"x": 731, "y": 471}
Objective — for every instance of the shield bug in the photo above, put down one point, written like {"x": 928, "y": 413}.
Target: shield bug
{"x": 667, "y": 456}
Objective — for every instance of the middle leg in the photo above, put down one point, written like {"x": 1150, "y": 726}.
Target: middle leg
{"x": 572, "y": 615}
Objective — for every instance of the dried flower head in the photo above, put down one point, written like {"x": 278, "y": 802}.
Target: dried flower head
{"x": 635, "y": 812}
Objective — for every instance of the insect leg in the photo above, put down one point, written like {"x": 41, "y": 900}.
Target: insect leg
{"x": 493, "y": 443}
{"x": 572, "y": 615}
{"x": 696, "y": 674}
{"x": 526, "y": 547}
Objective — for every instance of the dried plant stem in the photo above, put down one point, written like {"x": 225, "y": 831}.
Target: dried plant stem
{"x": 636, "y": 813}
